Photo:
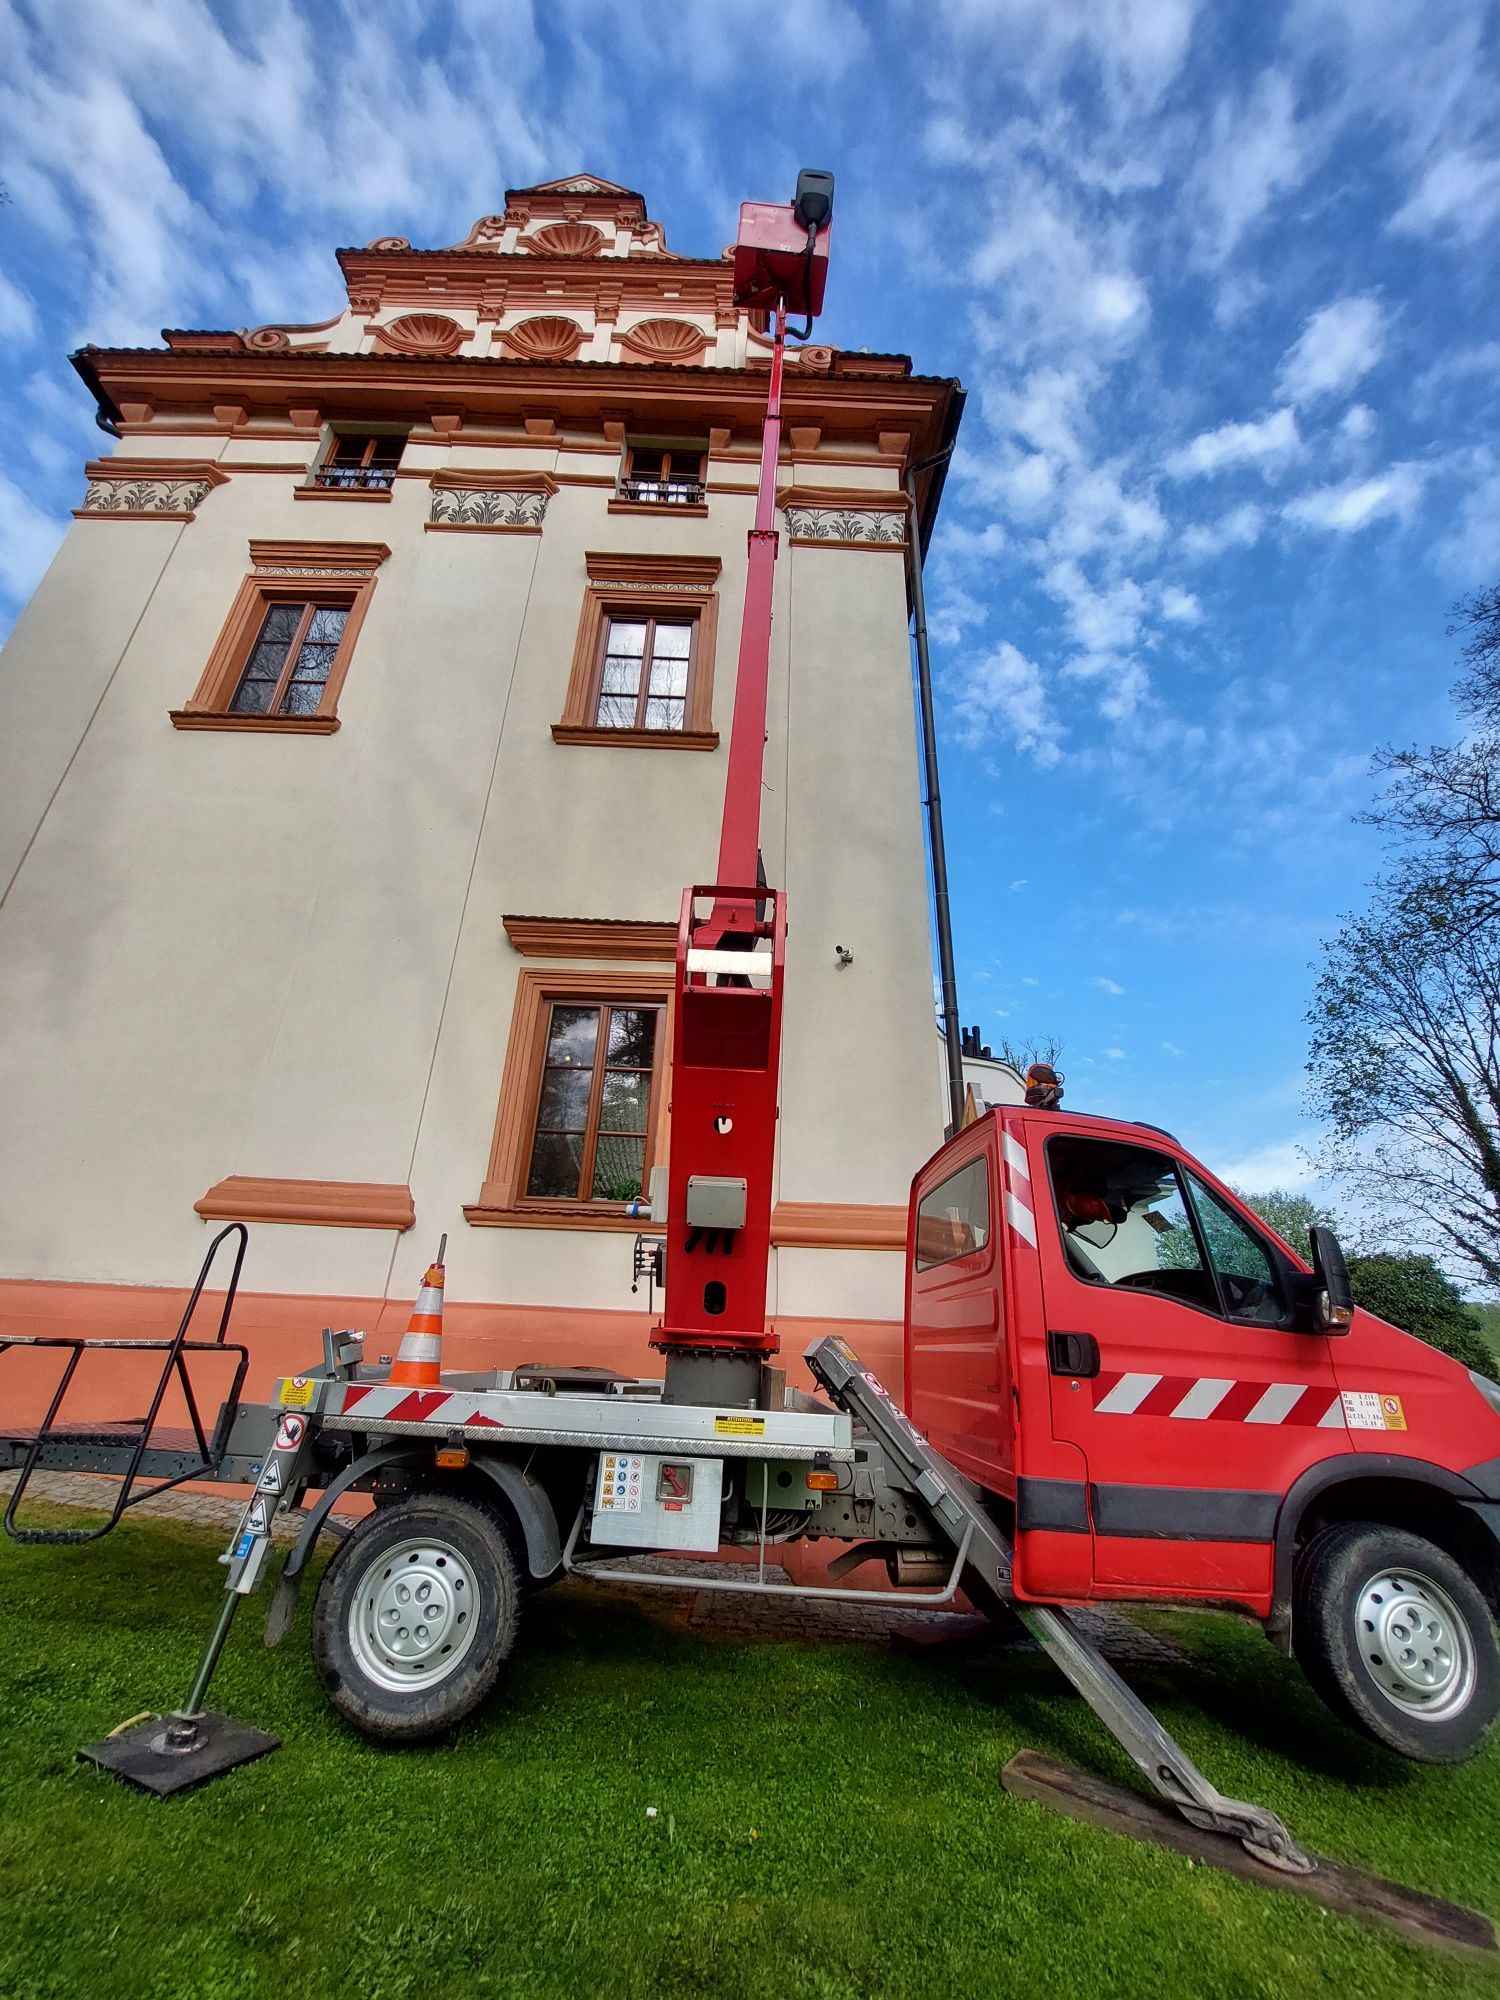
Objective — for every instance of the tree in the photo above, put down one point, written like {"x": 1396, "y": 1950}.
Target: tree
{"x": 1019, "y": 1056}
{"x": 1412, "y": 1293}
{"x": 1405, "y": 1065}
{"x": 1290, "y": 1215}
{"x": 1404, "y": 1056}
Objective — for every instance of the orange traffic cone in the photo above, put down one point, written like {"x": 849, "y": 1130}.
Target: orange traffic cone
{"x": 418, "y": 1360}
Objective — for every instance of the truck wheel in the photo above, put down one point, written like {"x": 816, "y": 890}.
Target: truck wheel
{"x": 1397, "y": 1640}
{"x": 415, "y": 1616}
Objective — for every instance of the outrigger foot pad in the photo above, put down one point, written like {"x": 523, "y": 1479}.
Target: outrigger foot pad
{"x": 172, "y": 1753}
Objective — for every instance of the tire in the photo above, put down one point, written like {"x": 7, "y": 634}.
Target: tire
{"x": 416, "y": 1614}
{"x": 1397, "y": 1640}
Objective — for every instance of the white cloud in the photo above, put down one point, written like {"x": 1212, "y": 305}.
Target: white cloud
{"x": 1281, "y": 1164}
{"x": 1004, "y": 692}
{"x": 1021, "y": 882}
{"x": 1358, "y": 421}
{"x": 1458, "y": 196}
{"x": 1171, "y": 1049}
{"x": 17, "y": 314}
{"x": 28, "y": 541}
{"x": 1337, "y": 348}
{"x": 1346, "y": 508}
{"x": 1240, "y": 528}
{"x": 1108, "y": 985}
{"x": 1256, "y": 152}
{"x": 1115, "y": 1055}
{"x": 1267, "y": 445}
{"x": 1180, "y": 606}
{"x": 1468, "y": 550}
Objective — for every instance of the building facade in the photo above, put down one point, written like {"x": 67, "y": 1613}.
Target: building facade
{"x": 354, "y": 753}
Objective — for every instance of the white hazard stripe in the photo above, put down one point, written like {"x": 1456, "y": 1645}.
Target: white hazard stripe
{"x": 1203, "y": 1398}
{"x": 420, "y": 1347}
{"x": 1018, "y": 1209}
{"x": 1276, "y": 1403}
{"x": 1127, "y": 1395}
{"x": 1020, "y": 1217}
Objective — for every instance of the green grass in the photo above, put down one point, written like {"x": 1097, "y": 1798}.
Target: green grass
{"x": 830, "y": 1820}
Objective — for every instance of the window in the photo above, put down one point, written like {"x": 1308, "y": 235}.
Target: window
{"x": 664, "y": 477}
{"x": 581, "y": 1118}
{"x": 1129, "y": 1218}
{"x": 1246, "y": 1274}
{"x": 285, "y": 648}
{"x": 954, "y": 1219}
{"x": 643, "y": 658}
{"x": 361, "y": 462}
{"x": 294, "y": 651}
{"x": 643, "y": 676}
{"x": 593, "y": 1117}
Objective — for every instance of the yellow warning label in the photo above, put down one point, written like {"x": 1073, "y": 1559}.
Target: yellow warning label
{"x": 1392, "y": 1414}
{"x": 297, "y": 1392}
{"x": 739, "y": 1427}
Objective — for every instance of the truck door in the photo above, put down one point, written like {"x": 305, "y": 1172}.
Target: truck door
{"x": 957, "y": 1380}
{"x": 1175, "y": 1366}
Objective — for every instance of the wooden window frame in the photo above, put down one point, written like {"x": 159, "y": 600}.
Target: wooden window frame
{"x": 650, "y": 619}
{"x": 304, "y": 579}
{"x": 625, "y": 501}
{"x": 503, "y": 1202}
{"x": 318, "y": 487}
{"x": 650, "y": 587}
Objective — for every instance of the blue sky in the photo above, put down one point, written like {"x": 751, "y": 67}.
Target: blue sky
{"x": 1218, "y": 278}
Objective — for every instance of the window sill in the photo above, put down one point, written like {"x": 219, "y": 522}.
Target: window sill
{"x": 541, "y": 1215}
{"x": 341, "y": 493}
{"x": 288, "y": 725}
{"x": 637, "y": 739}
{"x": 679, "y": 510}
{"x": 312, "y": 1204}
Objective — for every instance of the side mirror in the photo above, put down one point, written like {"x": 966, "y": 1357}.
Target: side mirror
{"x": 1333, "y": 1299}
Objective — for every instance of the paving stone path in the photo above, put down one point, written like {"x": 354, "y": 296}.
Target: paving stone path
{"x": 727, "y": 1616}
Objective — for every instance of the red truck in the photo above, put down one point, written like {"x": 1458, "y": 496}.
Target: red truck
{"x": 1102, "y": 1336}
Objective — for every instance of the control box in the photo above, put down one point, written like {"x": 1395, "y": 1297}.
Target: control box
{"x": 645, "y": 1501}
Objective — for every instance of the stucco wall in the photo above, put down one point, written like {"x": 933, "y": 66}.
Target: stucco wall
{"x": 283, "y": 955}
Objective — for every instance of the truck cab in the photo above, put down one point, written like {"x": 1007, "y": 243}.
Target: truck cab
{"x": 1104, "y": 1338}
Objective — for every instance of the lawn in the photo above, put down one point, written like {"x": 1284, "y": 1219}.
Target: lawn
{"x": 829, "y": 1820}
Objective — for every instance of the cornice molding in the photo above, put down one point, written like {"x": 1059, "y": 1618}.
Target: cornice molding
{"x": 591, "y": 937}
{"x": 658, "y": 571}
{"x": 838, "y": 1225}
{"x": 315, "y": 556}
{"x": 480, "y": 479}
{"x": 313, "y": 1204}
{"x": 143, "y": 488}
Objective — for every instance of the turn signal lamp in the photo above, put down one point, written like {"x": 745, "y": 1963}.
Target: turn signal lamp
{"x": 822, "y": 1482}
{"x": 451, "y": 1457}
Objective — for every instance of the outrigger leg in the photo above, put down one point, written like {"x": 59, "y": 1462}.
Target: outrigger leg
{"x": 170, "y": 1753}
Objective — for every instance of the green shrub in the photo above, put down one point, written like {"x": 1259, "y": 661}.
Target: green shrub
{"x": 1412, "y": 1293}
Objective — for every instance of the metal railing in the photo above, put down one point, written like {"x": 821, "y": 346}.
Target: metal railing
{"x": 659, "y": 492}
{"x": 356, "y": 478}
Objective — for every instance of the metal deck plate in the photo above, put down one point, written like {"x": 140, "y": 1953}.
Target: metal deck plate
{"x": 143, "y": 1756}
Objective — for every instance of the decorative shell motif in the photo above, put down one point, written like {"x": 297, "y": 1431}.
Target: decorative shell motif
{"x": 548, "y": 338}
{"x": 421, "y": 333}
{"x": 565, "y": 239}
{"x": 665, "y": 340}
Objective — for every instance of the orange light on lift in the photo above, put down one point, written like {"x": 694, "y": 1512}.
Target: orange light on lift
{"x": 451, "y": 1457}
{"x": 822, "y": 1482}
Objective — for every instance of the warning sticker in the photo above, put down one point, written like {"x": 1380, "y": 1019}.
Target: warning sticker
{"x": 1365, "y": 1410}
{"x": 258, "y": 1520}
{"x": 297, "y": 1392}
{"x": 620, "y": 1483}
{"x": 289, "y": 1433}
{"x": 270, "y": 1479}
{"x": 739, "y": 1427}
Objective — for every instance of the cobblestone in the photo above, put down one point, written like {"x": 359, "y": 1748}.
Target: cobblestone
{"x": 727, "y": 1615}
